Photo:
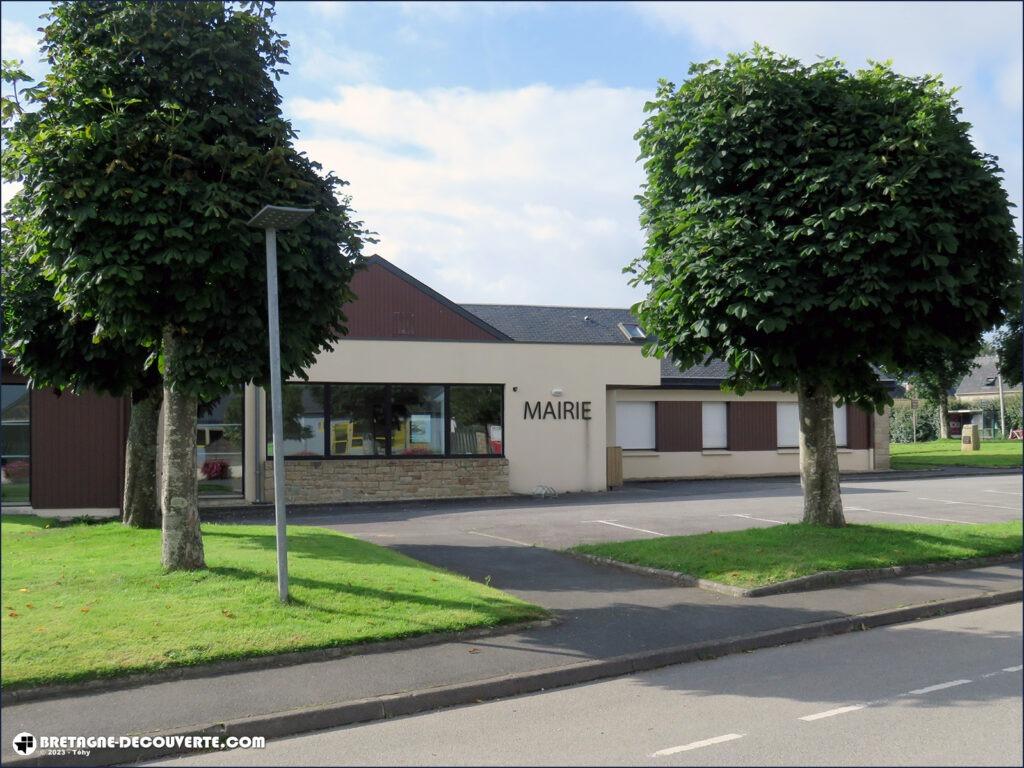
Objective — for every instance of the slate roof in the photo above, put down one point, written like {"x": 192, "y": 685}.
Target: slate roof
{"x": 589, "y": 325}
{"x": 974, "y": 382}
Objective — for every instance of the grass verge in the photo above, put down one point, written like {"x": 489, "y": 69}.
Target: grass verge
{"x": 947, "y": 453}
{"x": 758, "y": 556}
{"x": 86, "y": 601}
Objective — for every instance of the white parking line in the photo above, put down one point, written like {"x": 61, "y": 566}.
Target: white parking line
{"x": 762, "y": 519}
{"x": 904, "y": 514}
{"x": 938, "y": 687}
{"x": 832, "y": 712}
{"x": 501, "y": 538}
{"x": 1018, "y": 668}
{"x": 696, "y": 744}
{"x": 630, "y": 527}
{"x": 969, "y": 503}
{"x": 1005, "y": 493}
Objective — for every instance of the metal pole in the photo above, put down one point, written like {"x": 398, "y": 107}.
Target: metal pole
{"x": 275, "y": 414}
{"x": 1002, "y": 407}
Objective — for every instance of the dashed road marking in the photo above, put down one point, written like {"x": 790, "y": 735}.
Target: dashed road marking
{"x": 904, "y": 514}
{"x": 501, "y": 538}
{"x": 832, "y": 712}
{"x": 1005, "y": 493}
{"x": 937, "y": 687}
{"x": 630, "y": 527}
{"x": 697, "y": 744}
{"x": 1018, "y": 668}
{"x": 969, "y": 503}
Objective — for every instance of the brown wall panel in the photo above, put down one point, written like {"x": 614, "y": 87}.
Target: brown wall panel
{"x": 390, "y": 307}
{"x": 78, "y": 444}
{"x": 752, "y": 426}
{"x": 858, "y": 428}
{"x": 677, "y": 426}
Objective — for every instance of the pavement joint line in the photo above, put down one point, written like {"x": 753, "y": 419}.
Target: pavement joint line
{"x": 904, "y": 514}
{"x": 500, "y": 538}
{"x": 698, "y": 744}
{"x": 832, "y": 712}
{"x": 629, "y": 527}
{"x": 936, "y": 687}
{"x": 969, "y": 503}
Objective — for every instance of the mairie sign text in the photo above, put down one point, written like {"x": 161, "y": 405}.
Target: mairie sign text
{"x": 558, "y": 410}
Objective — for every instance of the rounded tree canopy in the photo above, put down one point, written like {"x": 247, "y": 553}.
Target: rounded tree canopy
{"x": 808, "y": 224}
{"x": 157, "y": 135}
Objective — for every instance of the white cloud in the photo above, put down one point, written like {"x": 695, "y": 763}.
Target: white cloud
{"x": 17, "y": 41}
{"x": 332, "y": 10}
{"x": 976, "y": 46}
{"x": 349, "y": 66}
{"x": 522, "y": 195}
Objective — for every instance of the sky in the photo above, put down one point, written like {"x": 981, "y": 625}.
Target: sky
{"x": 490, "y": 146}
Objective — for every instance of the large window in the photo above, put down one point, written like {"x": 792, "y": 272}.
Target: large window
{"x": 303, "y": 417}
{"x": 476, "y": 427}
{"x": 634, "y": 426}
{"x": 397, "y": 420}
{"x": 358, "y": 420}
{"x": 787, "y": 417}
{"x": 220, "y": 437}
{"x": 715, "y": 425}
{"x": 417, "y": 421}
{"x": 14, "y": 444}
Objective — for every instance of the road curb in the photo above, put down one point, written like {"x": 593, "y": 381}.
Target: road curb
{"x": 320, "y": 717}
{"x": 814, "y": 581}
{"x": 255, "y": 663}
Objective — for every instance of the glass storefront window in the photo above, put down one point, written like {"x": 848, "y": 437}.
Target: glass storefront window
{"x": 220, "y": 444}
{"x": 303, "y": 411}
{"x": 358, "y": 421}
{"x": 417, "y": 420}
{"x": 15, "y": 444}
{"x": 476, "y": 420}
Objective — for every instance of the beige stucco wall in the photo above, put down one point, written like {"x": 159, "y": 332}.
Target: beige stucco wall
{"x": 651, "y": 465}
{"x": 565, "y": 455}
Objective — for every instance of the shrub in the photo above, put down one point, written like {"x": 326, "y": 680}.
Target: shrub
{"x": 16, "y": 470}
{"x": 901, "y": 423}
{"x": 216, "y": 469}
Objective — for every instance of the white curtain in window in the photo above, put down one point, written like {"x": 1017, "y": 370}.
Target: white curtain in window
{"x": 634, "y": 425}
{"x": 714, "y": 425}
{"x": 787, "y": 425}
{"x": 839, "y": 417}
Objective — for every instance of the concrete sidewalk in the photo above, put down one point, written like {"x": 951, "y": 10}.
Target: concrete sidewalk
{"x": 603, "y": 613}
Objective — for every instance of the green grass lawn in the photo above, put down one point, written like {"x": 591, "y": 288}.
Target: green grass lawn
{"x": 946, "y": 453}
{"x": 758, "y": 556}
{"x": 84, "y": 601}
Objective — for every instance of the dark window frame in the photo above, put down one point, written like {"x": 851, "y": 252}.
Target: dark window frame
{"x": 327, "y": 456}
{"x": 233, "y": 494}
{"x": 31, "y": 464}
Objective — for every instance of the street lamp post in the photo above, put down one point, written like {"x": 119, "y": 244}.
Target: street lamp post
{"x": 270, "y": 219}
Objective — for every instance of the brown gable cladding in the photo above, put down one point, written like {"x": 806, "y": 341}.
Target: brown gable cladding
{"x": 391, "y": 304}
{"x": 752, "y": 426}
{"x": 678, "y": 426}
{"x": 78, "y": 444}
{"x": 858, "y": 428}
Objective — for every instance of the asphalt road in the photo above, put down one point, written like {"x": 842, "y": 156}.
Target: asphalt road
{"x": 945, "y": 691}
{"x": 668, "y": 508}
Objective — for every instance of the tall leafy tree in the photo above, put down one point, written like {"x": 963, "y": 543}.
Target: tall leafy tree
{"x": 807, "y": 224}
{"x": 938, "y": 376}
{"x": 157, "y": 134}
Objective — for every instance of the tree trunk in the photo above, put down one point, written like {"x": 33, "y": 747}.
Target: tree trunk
{"x": 141, "y": 507}
{"x": 182, "y": 539}
{"x": 819, "y": 461}
{"x": 944, "y": 416}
